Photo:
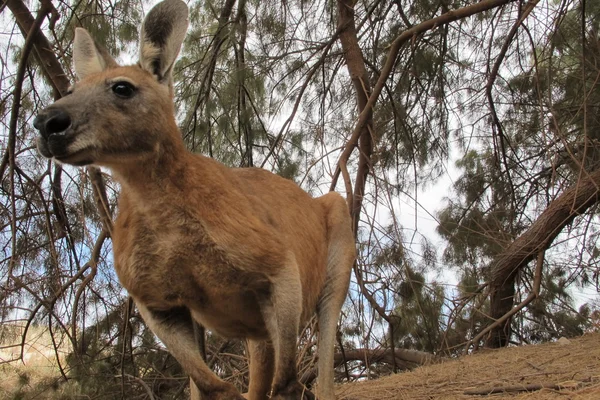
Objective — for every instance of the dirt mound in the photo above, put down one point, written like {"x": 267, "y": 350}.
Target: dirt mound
{"x": 548, "y": 371}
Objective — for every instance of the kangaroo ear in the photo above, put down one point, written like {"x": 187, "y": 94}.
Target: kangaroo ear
{"x": 88, "y": 57}
{"x": 162, "y": 34}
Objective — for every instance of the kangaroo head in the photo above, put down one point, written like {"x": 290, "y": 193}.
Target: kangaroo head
{"x": 118, "y": 114}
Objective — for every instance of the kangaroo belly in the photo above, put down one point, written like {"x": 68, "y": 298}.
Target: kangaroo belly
{"x": 230, "y": 303}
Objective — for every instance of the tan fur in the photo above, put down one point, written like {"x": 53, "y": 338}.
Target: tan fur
{"x": 244, "y": 252}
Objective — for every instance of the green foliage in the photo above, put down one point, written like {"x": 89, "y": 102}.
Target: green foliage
{"x": 113, "y": 24}
{"x": 478, "y": 227}
{"x": 547, "y": 101}
{"x": 419, "y": 314}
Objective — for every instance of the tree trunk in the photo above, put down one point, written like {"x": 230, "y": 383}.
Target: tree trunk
{"x": 572, "y": 202}
{"x": 360, "y": 79}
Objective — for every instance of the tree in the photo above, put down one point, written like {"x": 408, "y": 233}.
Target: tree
{"x": 373, "y": 99}
{"x": 540, "y": 177}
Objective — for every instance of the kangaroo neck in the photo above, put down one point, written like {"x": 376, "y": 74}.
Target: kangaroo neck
{"x": 161, "y": 172}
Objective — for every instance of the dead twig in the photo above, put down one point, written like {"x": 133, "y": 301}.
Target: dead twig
{"x": 141, "y": 382}
{"x": 524, "y": 388}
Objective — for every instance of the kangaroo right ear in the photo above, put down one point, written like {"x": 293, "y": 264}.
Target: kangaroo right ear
{"x": 162, "y": 34}
{"x": 89, "y": 58}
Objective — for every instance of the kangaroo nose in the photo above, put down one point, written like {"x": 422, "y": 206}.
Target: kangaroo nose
{"x": 52, "y": 122}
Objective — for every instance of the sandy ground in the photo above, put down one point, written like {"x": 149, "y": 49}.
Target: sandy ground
{"x": 38, "y": 363}
{"x": 548, "y": 371}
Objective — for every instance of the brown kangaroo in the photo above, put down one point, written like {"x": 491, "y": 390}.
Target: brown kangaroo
{"x": 244, "y": 252}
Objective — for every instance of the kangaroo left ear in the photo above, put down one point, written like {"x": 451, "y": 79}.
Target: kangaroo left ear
{"x": 162, "y": 34}
{"x": 88, "y": 57}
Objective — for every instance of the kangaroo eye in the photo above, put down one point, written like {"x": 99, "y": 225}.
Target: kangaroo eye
{"x": 123, "y": 89}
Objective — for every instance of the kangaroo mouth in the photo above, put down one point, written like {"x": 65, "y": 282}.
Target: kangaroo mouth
{"x": 57, "y": 145}
{"x": 79, "y": 158}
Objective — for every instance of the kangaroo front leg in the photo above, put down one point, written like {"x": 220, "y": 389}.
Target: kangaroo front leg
{"x": 282, "y": 316}
{"x": 174, "y": 328}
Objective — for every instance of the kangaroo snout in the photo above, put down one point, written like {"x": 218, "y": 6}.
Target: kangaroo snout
{"x": 52, "y": 125}
{"x": 50, "y": 122}
{"x": 56, "y": 139}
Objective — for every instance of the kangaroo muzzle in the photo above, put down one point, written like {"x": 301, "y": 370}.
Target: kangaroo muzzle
{"x": 52, "y": 125}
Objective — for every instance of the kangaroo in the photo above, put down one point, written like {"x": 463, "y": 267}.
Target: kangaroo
{"x": 244, "y": 252}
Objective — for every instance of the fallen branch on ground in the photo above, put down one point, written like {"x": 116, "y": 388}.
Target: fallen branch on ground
{"x": 404, "y": 359}
{"x": 525, "y": 388}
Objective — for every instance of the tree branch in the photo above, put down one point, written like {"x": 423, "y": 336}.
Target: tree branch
{"x": 532, "y": 296}
{"x": 53, "y": 70}
{"x": 560, "y": 212}
{"x": 411, "y": 33}
{"x": 14, "y": 116}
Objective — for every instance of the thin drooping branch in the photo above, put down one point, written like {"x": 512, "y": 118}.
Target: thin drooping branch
{"x": 93, "y": 265}
{"x": 14, "y": 116}
{"x": 57, "y": 78}
{"x": 206, "y": 85}
{"x": 490, "y": 85}
{"x": 99, "y": 191}
{"x": 244, "y": 126}
{"x": 324, "y": 50}
{"x": 363, "y": 289}
{"x": 60, "y": 210}
{"x": 416, "y": 30}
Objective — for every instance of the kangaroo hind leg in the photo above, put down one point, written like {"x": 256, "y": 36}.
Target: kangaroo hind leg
{"x": 282, "y": 317}
{"x": 341, "y": 254}
{"x": 262, "y": 368}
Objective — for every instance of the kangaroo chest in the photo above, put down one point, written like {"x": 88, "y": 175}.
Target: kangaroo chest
{"x": 172, "y": 262}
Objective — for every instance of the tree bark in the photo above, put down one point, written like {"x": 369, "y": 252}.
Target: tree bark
{"x": 572, "y": 202}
